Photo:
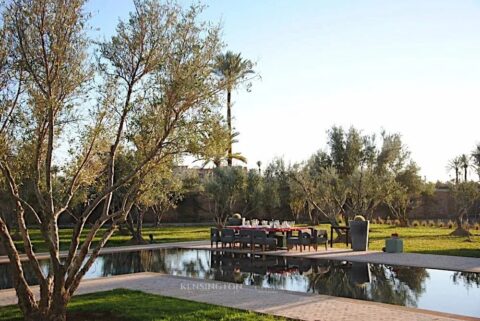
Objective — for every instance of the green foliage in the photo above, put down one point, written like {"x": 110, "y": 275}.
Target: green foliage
{"x": 214, "y": 142}
{"x": 224, "y": 189}
{"x": 355, "y": 174}
{"x": 476, "y": 159}
{"x": 251, "y": 198}
{"x": 233, "y": 70}
{"x": 277, "y": 188}
{"x": 407, "y": 192}
{"x": 125, "y": 123}
{"x": 465, "y": 196}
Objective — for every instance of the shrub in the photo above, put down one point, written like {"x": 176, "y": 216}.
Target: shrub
{"x": 424, "y": 223}
{"x": 431, "y": 223}
{"x": 381, "y": 221}
{"x": 396, "y": 222}
{"x": 415, "y": 223}
{"x": 440, "y": 224}
{"x": 450, "y": 224}
{"x": 374, "y": 221}
{"x": 476, "y": 226}
{"x": 389, "y": 221}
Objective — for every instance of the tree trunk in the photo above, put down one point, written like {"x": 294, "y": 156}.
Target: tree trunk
{"x": 403, "y": 221}
{"x": 136, "y": 227}
{"x": 229, "y": 123}
{"x": 58, "y": 310}
{"x": 157, "y": 220}
{"x": 460, "y": 230}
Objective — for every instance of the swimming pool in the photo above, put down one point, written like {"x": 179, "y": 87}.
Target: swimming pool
{"x": 437, "y": 290}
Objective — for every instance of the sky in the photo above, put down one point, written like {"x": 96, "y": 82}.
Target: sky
{"x": 411, "y": 67}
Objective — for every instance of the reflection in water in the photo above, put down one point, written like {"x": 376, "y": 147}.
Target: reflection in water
{"x": 470, "y": 279}
{"x": 406, "y": 286}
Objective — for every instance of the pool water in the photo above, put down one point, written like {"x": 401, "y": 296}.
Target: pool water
{"x": 437, "y": 290}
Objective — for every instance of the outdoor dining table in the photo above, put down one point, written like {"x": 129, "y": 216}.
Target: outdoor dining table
{"x": 267, "y": 228}
{"x": 281, "y": 238}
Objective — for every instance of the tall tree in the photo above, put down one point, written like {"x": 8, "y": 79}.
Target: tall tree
{"x": 251, "y": 197}
{"x": 276, "y": 189}
{"x": 224, "y": 189}
{"x": 455, "y": 164}
{"x": 465, "y": 196}
{"x": 324, "y": 191}
{"x": 156, "y": 76}
{"x": 234, "y": 70}
{"x": 213, "y": 145}
{"x": 476, "y": 159}
{"x": 408, "y": 192}
{"x": 465, "y": 164}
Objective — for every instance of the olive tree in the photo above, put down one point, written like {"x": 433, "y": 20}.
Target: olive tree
{"x": 224, "y": 188}
{"x": 156, "y": 83}
{"x": 157, "y": 192}
{"x": 408, "y": 192}
{"x": 465, "y": 196}
{"x": 324, "y": 191}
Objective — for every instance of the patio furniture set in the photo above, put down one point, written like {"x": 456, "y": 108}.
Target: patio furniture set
{"x": 263, "y": 237}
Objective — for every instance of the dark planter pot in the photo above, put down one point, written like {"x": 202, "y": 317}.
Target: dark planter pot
{"x": 360, "y": 273}
{"x": 234, "y": 221}
{"x": 359, "y": 234}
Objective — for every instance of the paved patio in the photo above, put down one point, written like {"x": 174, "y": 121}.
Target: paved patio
{"x": 301, "y": 306}
{"x": 278, "y": 302}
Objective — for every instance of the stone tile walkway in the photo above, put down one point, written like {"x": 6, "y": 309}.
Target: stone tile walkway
{"x": 308, "y": 307}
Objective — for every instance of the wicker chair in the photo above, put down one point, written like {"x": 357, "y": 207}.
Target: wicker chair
{"x": 319, "y": 237}
{"x": 244, "y": 238}
{"x": 227, "y": 237}
{"x": 303, "y": 239}
{"x": 260, "y": 238}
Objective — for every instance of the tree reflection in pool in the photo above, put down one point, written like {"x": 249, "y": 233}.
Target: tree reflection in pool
{"x": 406, "y": 286}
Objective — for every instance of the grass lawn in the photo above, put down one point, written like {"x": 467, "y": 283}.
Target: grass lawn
{"x": 127, "y": 305}
{"x": 432, "y": 240}
{"x": 161, "y": 235}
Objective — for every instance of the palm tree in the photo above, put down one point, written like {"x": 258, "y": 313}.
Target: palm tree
{"x": 214, "y": 146}
{"x": 259, "y": 165}
{"x": 465, "y": 163}
{"x": 476, "y": 159}
{"x": 455, "y": 164}
{"x": 234, "y": 70}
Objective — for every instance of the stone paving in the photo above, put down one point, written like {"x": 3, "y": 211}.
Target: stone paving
{"x": 277, "y": 302}
{"x": 301, "y": 306}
